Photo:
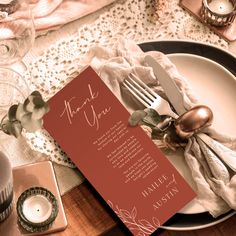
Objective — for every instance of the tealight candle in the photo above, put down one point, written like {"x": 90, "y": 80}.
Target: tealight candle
{"x": 221, "y": 6}
{"x": 218, "y": 12}
{"x": 37, "y": 209}
{"x": 6, "y": 187}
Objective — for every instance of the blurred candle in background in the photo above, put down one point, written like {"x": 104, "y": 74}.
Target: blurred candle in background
{"x": 6, "y": 187}
{"x": 218, "y": 12}
{"x": 221, "y": 6}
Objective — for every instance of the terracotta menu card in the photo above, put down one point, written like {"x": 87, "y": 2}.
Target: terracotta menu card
{"x": 121, "y": 162}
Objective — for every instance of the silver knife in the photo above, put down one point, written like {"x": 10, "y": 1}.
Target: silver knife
{"x": 170, "y": 88}
{"x": 176, "y": 99}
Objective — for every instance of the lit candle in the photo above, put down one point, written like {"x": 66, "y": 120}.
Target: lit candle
{"x": 221, "y": 6}
{"x": 218, "y": 12}
{"x": 37, "y": 209}
{"x": 6, "y": 187}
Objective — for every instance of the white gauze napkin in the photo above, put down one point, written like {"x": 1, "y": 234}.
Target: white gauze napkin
{"x": 52, "y": 14}
{"x": 215, "y": 183}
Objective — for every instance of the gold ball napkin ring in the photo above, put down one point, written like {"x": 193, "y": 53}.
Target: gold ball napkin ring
{"x": 193, "y": 121}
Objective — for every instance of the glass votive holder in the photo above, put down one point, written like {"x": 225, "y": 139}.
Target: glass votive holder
{"x": 37, "y": 209}
{"x": 218, "y": 12}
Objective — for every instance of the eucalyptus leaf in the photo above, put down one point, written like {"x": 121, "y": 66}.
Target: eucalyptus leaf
{"x": 28, "y": 104}
{"x": 6, "y": 126}
{"x": 12, "y": 112}
{"x": 16, "y": 128}
{"x": 38, "y": 102}
{"x": 26, "y": 116}
{"x": 20, "y": 111}
{"x": 26, "y": 119}
{"x": 152, "y": 117}
{"x": 36, "y": 93}
{"x": 38, "y": 113}
{"x": 29, "y": 124}
{"x": 136, "y": 117}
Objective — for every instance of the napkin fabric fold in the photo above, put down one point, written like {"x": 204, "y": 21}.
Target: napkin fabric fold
{"x": 215, "y": 182}
{"x": 50, "y": 14}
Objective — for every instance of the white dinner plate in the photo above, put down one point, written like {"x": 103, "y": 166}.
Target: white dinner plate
{"x": 215, "y": 87}
{"x": 214, "y": 83}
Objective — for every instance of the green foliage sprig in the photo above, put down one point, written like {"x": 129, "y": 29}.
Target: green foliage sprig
{"x": 162, "y": 127}
{"x": 27, "y": 115}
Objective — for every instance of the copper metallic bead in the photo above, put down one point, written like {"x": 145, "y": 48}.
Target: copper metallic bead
{"x": 193, "y": 121}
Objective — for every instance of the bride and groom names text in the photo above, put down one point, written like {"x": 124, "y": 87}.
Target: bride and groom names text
{"x": 171, "y": 192}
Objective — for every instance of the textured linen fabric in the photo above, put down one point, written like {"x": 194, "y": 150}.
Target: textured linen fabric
{"x": 51, "y": 14}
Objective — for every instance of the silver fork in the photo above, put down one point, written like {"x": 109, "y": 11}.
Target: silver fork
{"x": 147, "y": 96}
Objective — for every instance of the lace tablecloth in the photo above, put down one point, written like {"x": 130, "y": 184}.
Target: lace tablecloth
{"x": 53, "y": 60}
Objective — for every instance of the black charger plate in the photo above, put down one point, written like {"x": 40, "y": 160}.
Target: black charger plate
{"x": 227, "y": 60}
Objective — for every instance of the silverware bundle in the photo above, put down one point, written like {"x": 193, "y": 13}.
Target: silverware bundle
{"x": 151, "y": 99}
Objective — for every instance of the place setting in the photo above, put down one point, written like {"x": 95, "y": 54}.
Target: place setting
{"x": 147, "y": 121}
{"x": 193, "y": 216}
{"x": 190, "y": 65}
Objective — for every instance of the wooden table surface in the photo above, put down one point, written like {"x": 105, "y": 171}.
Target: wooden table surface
{"x": 87, "y": 215}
